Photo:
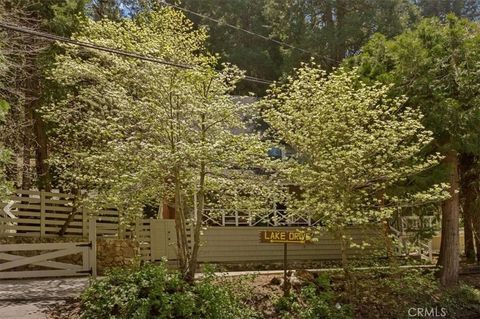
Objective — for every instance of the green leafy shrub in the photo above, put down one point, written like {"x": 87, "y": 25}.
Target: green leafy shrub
{"x": 460, "y": 301}
{"x": 393, "y": 293}
{"x": 314, "y": 301}
{"x": 154, "y": 292}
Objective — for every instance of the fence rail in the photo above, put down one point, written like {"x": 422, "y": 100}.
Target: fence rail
{"x": 264, "y": 218}
{"x": 43, "y": 214}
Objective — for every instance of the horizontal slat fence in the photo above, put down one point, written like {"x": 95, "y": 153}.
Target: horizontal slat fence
{"x": 242, "y": 244}
{"x": 42, "y": 214}
{"x": 144, "y": 238}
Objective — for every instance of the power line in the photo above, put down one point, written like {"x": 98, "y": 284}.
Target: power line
{"x": 243, "y": 30}
{"x": 233, "y": 26}
{"x": 135, "y": 55}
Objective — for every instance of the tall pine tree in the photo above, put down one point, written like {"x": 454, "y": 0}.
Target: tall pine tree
{"x": 26, "y": 84}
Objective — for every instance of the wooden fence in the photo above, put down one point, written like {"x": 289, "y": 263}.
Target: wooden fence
{"x": 241, "y": 244}
{"x": 143, "y": 234}
{"x": 231, "y": 236}
{"x": 260, "y": 218}
{"x": 33, "y": 260}
{"x": 42, "y": 214}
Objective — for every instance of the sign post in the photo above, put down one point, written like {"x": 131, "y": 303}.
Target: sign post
{"x": 286, "y": 287}
{"x": 285, "y": 237}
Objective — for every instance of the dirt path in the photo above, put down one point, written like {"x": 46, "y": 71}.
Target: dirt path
{"x": 30, "y": 299}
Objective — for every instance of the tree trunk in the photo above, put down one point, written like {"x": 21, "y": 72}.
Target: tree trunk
{"x": 468, "y": 194}
{"x": 340, "y": 45}
{"x": 476, "y": 232}
{"x": 327, "y": 18}
{"x": 198, "y": 225}
{"x": 181, "y": 228}
{"x": 344, "y": 247}
{"x": 468, "y": 211}
{"x": 73, "y": 213}
{"x": 28, "y": 134}
{"x": 41, "y": 152}
{"x": 350, "y": 282}
{"x": 27, "y": 152}
{"x": 468, "y": 237}
{"x": 388, "y": 242}
{"x": 449, "y": 253}
{"x": 201, "y": 203}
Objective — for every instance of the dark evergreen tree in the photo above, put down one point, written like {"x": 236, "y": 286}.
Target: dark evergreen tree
{"x": 105, "y": 9}
{"x": 435, "y": 65}
{"x": 440, "y": 8}
{"x": 26, "y": 86}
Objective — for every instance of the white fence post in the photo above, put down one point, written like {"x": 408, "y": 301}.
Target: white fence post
{"x": 92, "y": 238}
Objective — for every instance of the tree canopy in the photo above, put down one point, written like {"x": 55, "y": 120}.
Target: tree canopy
{"x": 441, "y": 8}
{"x": 135, "y": 133}
{"x": 436, "y": 66}
{"x": 353, "y": 143}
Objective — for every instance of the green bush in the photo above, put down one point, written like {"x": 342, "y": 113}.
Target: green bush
{"x": 314, "y": 301}
{"x": 460, "y": 301}
{"x": 155, "y": 292}
{"x": 392, "y": 293}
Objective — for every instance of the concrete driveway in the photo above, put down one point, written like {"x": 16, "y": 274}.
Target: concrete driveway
{"x": 31, "y": 298}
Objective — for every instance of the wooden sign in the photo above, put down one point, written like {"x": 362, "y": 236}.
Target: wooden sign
{"x": 282, "y": 236}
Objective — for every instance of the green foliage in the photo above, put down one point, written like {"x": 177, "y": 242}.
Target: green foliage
{"x": 5, "y": 154}
{"x": 125, "y": 125}
{"x": 133, "y": 132}
{"x": 3, "y": 110}
{"x": 105, "y": 9}
{"x": 260, "y": 57}
{"x": 317, "y": 300}
{"x": 63, "y": 17}
{"x": 328, "y": 30}
{"x": 435, "y": 66}
{"x": 391, "y": 293}
{"x": 353, "y": 142}
{"x": 333, "y": 30}
{"x": 25, "y": 86}
{"x": 440, "y": 8}
{"x": 155, "y": 292}
{"x": 460, "y": 300}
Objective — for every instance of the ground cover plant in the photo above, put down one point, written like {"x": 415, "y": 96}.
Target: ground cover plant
{"x": 153, "y": 291}
{"x": 399, "y": 293}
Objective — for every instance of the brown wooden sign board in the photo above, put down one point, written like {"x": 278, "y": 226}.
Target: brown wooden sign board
{"x": 284, "y": 237}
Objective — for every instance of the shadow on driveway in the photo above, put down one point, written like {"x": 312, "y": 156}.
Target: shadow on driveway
{"x": 31, "y": 298}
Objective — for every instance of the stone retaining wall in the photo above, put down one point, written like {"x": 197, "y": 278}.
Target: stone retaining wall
{"x": 116, "y": 253}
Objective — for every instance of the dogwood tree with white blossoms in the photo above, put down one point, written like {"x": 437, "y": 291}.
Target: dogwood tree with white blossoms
{"x": 353, "y": 142}
{"x": 133, "y": 132}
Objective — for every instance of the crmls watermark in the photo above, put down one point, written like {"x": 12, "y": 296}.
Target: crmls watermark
{"x": 430, "y": 312}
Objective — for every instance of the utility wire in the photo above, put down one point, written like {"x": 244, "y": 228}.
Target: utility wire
{"x": 135, "y": 55}
{"x": 281, "y": 43}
